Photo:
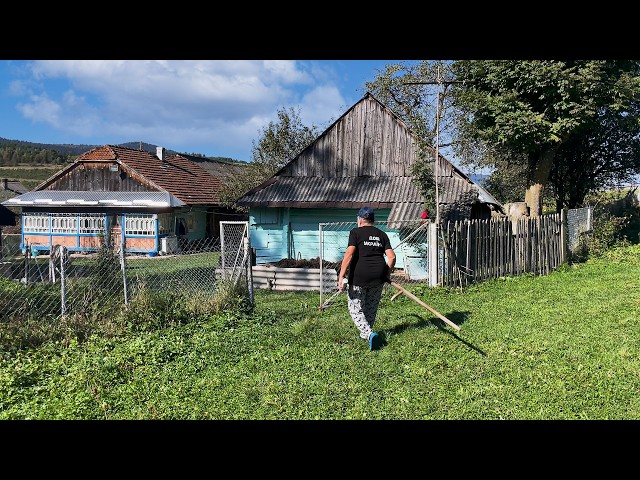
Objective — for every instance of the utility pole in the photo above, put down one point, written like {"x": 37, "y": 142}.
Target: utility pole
{"x": 436, "y": 167}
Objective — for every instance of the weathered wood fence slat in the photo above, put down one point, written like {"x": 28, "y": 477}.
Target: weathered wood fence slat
{"x": 477, "y": 250}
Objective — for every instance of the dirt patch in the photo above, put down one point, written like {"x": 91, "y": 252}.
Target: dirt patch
{"x": 303, "y": 263}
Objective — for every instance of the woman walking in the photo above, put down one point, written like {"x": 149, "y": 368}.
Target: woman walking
{"x": 368, "y": 272}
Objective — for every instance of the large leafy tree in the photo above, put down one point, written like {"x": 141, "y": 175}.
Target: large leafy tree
{"x": 553, "y": 115}
{"x": 607, "y": 156}
{"x": 279, "y": 142}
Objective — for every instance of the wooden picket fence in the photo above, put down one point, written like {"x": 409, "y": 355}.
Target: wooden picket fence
{"x": 475, "y": 250}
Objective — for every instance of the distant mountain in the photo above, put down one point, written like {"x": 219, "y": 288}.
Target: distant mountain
{"x": 66, "y": 150}
{"x": 63, "y": 149}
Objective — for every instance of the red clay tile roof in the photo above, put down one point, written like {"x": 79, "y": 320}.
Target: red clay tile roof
{"x": 175, "y": 174}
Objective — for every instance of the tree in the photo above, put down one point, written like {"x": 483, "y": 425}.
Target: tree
{"x": 279, "y": 143}
{"x": 545, "y": 112}
{"x": 604, "y": 157}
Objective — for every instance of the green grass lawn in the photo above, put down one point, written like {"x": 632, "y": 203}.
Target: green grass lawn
{"x": 561, "y": 346}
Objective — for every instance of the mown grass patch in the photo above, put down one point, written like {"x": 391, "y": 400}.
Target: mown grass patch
{"x": 561, "y": 346}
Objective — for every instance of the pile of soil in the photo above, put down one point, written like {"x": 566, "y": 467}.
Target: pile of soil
{"x": 303, "y": 263}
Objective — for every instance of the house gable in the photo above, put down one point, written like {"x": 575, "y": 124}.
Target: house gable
{"x": 365, "y": 157}
{"x": 113, "y": 168}
{"x": 99, "y": 176}
{"x": 368, "y": 140}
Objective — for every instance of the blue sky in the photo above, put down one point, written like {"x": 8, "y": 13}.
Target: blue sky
{"x": 213, "y": 107}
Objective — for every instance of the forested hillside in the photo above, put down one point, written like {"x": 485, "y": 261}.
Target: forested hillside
{"x": 32, "y": 163}
{"x": 14, "y": 152}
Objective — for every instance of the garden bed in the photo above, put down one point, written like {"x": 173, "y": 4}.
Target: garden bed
{"x": 291, "y": 274}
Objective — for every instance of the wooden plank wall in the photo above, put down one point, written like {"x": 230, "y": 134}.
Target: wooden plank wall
{"x": 98, "y": 177}
{"x": 478, "y": 250}
{"x": 367, "y": 141}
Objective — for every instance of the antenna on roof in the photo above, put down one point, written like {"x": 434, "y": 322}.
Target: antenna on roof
{"x": 140, "y": 146}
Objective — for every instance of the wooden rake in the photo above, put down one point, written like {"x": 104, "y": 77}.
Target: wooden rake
{"x": 328, "y": 301}
{"x": 420, "y": 302}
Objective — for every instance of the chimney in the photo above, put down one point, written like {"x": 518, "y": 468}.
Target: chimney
{"x": 160, "y": 153}
{"x": 5, "y": 184}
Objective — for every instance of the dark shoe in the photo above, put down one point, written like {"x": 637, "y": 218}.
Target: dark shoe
{"x": 375, "y": 341}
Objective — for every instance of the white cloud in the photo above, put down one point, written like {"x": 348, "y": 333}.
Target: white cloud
{"x": 177, "y": 103}
{"x": 41, "y": 109}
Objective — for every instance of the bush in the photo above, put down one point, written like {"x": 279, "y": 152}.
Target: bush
{"x": 616, "y": 223}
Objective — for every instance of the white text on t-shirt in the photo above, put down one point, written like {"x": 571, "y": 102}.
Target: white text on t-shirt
{"x": 372, "y": 242}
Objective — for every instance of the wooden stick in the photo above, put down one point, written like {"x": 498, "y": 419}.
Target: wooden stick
{"x": 326, "y": 303}
{"x": 417, "y": 300}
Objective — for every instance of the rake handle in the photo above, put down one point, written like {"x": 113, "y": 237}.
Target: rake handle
{"x": 417, "y": 300}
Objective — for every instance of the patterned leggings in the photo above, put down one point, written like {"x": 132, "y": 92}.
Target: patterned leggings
{"x": 363, "y": 306}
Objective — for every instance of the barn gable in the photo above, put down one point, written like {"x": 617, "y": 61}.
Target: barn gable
{"x": 365, "y": 156}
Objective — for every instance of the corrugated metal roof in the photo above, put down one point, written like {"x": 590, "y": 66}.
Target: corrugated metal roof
{"x": 13, "y": 186}
{"x": 405, "y": 210}
{"x": 358, "y": 190}
{"x": 49, "y": 198}
{"x": 394, "y": 190}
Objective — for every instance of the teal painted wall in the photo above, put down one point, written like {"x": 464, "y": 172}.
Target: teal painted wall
{"x": 196, "y": 222}
{"x": 277, "y": 233}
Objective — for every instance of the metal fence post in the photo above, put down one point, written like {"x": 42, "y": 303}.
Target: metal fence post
{"x": 434, "y": 246}
{"x": 320, "y": 260}
{"x": 63, "y": 285}
{"x": 248, "y": 259}
{"x": 222, "y": 252}
{"x": 124, "y": 275}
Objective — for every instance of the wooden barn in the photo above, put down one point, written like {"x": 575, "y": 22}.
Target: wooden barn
{"x": 364, "y": 158}
{"x": 149, "y": 203}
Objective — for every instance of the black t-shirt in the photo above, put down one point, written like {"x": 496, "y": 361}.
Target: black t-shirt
{"x": 368, "y": 266}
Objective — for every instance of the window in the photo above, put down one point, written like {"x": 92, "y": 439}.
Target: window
{"x": 140, "y": 225}
{"x": 166, "y": 223}
{"x": 265, "y": 216}
{"x": 64, "y": 223}
{"x": 36, "y": 222}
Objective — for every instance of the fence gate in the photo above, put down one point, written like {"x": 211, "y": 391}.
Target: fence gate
{"x": 410, "y": 240}
{"x": 235, "y": 255}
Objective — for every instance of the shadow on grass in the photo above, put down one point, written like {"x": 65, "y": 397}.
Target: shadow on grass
{"x": 456, "y": 317}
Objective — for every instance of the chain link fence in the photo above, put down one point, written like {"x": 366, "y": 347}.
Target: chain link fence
{"x": 409, "y": 239}
{"x": 61, "y": 282}
{"x": 579, "y": 223}
{"x": 35, "y": 285}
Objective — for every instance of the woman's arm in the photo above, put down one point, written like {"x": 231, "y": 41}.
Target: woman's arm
{"x": 391, "y": 258}
{"x": 348, "y": 255}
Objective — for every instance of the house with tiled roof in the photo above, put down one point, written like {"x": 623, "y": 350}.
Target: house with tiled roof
{"x": 148, "y": 203}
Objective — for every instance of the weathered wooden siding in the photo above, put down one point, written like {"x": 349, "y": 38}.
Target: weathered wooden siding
{"x": 364, "y": 142}
{"x": 98, "y": 177}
